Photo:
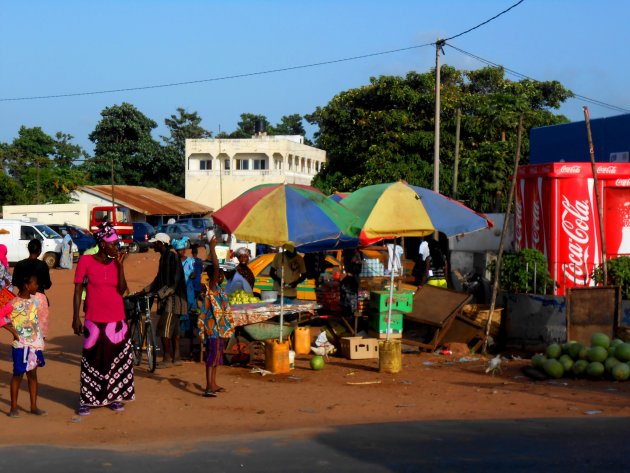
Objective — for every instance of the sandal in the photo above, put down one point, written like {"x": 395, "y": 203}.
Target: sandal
{"x": 14, "y": 413}
{"x": 83, "y": 411}
{"x": 116, "y": 406}
{"x": 209, "y": 393}
{"x": 39, "y": 412}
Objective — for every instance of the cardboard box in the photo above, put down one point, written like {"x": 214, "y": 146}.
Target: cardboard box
{"x": 359, "y": 348}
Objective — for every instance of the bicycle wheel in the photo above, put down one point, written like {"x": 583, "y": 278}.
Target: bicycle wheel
{"x": 136, "y": 341}
{"x": 151, "y": 347}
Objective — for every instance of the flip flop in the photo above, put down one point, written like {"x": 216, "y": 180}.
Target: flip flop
{"x": 209, "y": 393}
{"x": 14, "y": 414}
{"x": 39, "y": 412}
{"x": 83, "y": 411}
{"x": 116, "y": 406}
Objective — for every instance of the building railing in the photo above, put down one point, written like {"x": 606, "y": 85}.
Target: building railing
{"x": 250, "y": 172}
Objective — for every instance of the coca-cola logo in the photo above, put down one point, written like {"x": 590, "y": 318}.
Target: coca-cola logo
{"x": 607, "y": 170}
{"x": 622, "y": 182}
{"x": 575, "y": 224}
{"x": 536, "y": 223}
{"x": 570, "y": 169}
{"x": 518, "y": 223}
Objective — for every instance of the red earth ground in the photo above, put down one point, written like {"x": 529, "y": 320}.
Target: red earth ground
{"x": 169, "y": 406}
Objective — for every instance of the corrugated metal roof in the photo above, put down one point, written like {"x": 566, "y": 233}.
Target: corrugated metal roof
{"x": 148, "y": 200}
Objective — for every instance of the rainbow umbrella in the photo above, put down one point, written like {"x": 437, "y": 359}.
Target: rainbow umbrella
{"x": 280, "y": 214}
{"x": 400, "y": 209}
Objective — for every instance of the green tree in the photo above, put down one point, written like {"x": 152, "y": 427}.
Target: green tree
{"x": 65, "y": 153}
{"x": 123, "y": 141}
{"x": 246, "y": 128}
{"x": 384, "y": 131}
{"x": 184, "y": 125}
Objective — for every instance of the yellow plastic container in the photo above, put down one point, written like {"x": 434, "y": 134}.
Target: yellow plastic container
{"x": 302, "y": 340}
{"x": 389, "y": 356}
{"x": 277, "y": 356}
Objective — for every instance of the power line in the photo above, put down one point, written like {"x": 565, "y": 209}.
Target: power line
{"x": 524, "y": 76}
{"x": 485, "y": 22}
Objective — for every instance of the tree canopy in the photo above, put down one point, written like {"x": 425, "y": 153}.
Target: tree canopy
{"x": 384, "y": 131}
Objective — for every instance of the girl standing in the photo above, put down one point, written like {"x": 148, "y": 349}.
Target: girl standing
{"x": 215, "y": 322}
{"x": 106, "y": 362}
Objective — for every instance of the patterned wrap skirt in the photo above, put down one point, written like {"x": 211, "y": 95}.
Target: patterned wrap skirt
{"x": 106, "y": 364}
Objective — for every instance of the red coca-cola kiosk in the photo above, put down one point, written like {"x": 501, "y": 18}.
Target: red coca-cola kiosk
{"x": 556, "y": 213}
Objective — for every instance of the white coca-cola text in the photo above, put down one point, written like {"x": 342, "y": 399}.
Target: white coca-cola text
{"x": 536, "y": 224}
{"x": 607, "y": 170}
{"x": 518, "y": 221}
{"x": 570, "y": 169}
{"x": 622, "y": 182}
{"x": 575, "y": 224}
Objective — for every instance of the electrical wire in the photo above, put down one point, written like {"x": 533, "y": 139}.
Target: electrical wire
{"x": 485, "y": 22}
{"x": 523, "y": 76}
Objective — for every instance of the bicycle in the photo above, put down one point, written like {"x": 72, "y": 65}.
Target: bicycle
{"x": 138, "y": 312}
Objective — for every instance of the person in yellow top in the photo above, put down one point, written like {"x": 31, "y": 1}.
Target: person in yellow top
{"x": 294, "y": 271}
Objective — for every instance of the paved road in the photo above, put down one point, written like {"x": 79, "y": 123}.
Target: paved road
{"x": 533, "y": 446}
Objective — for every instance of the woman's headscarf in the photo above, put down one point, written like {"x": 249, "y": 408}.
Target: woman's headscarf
{"x": 180, "y": 244}
{"x": 242, "y": 250}
{"x": 105, "y": 233}
{"x": 3, "y": 255}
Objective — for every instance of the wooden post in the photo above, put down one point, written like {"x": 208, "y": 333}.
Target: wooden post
{"x": 497, "y": 269}
{"x": 600, "y": 211}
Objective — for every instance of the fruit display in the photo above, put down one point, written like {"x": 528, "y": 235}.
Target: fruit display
{"x": 603, "y": 358}
{"x": 242, "y": 297}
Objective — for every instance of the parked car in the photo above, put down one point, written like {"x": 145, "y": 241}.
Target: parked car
{"x": 80, "y": 236}
{"x": 142, "y": 233}
{"x": 178, "y": 230}
{"x": 198, "y": 223}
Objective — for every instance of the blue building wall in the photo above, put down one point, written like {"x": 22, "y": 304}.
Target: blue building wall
{"x": 568, "y": 142}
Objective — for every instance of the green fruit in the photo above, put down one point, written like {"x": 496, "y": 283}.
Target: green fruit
{"x": 621, "y": 372}
{"x": 599, "y": 339}
{"x": 538, "y": 360}
{"x": 566, "y": 362}
{"x": 567, "y": 346}
{"x": 583, "y": 355}
{"x": 317, "y": 362}
{"x": 615, "y": 342}
{"x": 574, "y": 350}
{"x": 553, "y": 368}
{"x": 622, "y": 352}
{"x": 554, "y": 351}
{"x": 579, "y": 367}
{"x": 597, "y": 353}
{"x": 595, "y": 369}
{"x": 610, "y": 363}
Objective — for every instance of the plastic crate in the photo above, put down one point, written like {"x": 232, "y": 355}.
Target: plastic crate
{"x": 402, "y": 301}
{"x": 359, "y": 348}
{"x": 378, "y": 322}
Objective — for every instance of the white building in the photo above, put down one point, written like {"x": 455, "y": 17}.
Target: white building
{"x": 219, "y": 170}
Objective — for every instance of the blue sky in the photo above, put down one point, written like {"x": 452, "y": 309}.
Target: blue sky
{"x": 61, "y": 47}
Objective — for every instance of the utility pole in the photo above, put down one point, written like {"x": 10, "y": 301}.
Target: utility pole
{"x": 436, "y": 144}
{"x": 458, "y": 120}
{"x": 113, "y": 200}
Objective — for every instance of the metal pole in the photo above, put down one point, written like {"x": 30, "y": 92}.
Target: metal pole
{"x": 436, "y": 144}
{"x": 495, "y": 286}
{"x": 458, "y": 120}
{"x": 600, "y": 210}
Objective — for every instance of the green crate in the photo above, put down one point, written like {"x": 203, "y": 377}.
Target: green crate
{"x": 378, "y": 322}
{"x": 401, "y": 302}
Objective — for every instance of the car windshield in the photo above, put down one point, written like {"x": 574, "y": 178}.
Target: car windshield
{"x": 47, "y": 231}
{"x": 187, "y": 228}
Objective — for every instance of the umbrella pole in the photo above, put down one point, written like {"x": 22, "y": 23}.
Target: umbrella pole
{"x": 391, "y": 294}
{"x": 282, "y": 296}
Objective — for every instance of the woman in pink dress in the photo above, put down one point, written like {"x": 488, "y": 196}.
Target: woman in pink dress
{"x": 106, "y": 363}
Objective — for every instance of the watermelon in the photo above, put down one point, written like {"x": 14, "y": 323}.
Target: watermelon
{"x": 554, "y": 351}
{"x": 597, "y": 353}
{"x": 595, "y": 369}
{"x": 622, "y": 352}
{"x": 538, "y": 360}
{"x": 566, "y": 362}
{"x": 621, "y": 372}
{"x": 579, "y": 367}
{"x": 553, "y": 368}
{"x": 317, "y": 362}
{"x": 583, "y": 355}
{"x": 615, "y": 342}
{"x": 567, "y": 346}
{"x": 574, "y": 350}
{"x": 610, "y": 363}
{"x": 599, "y": 339}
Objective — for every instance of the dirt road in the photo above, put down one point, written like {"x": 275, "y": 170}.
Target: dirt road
{"x": 169, "y": 406}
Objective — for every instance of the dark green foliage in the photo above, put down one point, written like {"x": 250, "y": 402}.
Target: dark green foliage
{"x": 520, "y": 270}
{"x": 618, "y": 274}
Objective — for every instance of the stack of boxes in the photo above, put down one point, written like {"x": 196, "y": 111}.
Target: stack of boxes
{"x": 380, "y": 303}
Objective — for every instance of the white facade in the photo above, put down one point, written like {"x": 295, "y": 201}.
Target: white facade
{"x": 219, "y": 170}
